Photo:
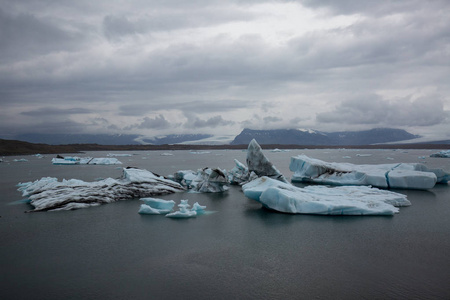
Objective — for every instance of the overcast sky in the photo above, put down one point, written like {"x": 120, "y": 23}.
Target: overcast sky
{"x": 157, "y": 67}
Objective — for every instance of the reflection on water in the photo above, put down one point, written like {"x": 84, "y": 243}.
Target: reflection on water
{"x": 240, "y": 251}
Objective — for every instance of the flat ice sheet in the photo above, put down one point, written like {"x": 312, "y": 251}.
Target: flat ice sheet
{"x": 402, "y": 175}
{"x": 343, "y": 200}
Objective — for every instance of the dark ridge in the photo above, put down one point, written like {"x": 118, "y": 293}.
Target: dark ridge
{"x": 12, "y": 147}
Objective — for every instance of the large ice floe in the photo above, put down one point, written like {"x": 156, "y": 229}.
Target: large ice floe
{"x": 401, "y": 175}
{"x": 322, "y": 200}
{"x": 48, "y": 193}
{"x": 443, "y": 154}
{"x": 75, "y": 160}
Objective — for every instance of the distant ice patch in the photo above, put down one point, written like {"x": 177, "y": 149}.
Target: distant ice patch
{"x": 443, "y": 154}
{"x": 75, "y": 160}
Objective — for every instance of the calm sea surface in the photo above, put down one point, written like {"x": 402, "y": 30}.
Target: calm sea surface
{"x": 239, "y": 252}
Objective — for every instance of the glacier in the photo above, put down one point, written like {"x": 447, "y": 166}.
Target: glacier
{"x": 322, "y": 200}
{"x": 49, "y": 194}
{"x": 401, "y": 175}
{"x": 75, "y": 160}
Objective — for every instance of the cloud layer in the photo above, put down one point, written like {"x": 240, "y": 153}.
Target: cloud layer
{"x": 160, "y": 67}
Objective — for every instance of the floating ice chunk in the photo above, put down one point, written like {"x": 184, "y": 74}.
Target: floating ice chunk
{"x": 156, "y": 206}
{"x": 148, "y": 210}
{"x": 75, "y": 160}
{"x": 199, "y": 152}
{"x": 183, "y": 212}
{"x": 210, "y": 181}
{"x": 166, "y": 154}
{"x": 443, "y": 154}
{"x": 119, "y": 154}
{"x": 198, "y": 208}
{"x": 20, "y": 160}
{"x": 182, "y": 215}
{"x": 409, "y": 176}
{"x": 240, "y": 174}
{"x": 344, "y": 200}
{"x": 184, "y": 177}
{"x": 205, "y": 180}
{"x": 50, "y": 194}
{"x": 257, "y": 162}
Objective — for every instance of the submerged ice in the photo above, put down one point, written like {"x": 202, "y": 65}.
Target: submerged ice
{"x": 402, "y": 175}
{"x": 343, "y": 200}
{"x": 48, "y": 193}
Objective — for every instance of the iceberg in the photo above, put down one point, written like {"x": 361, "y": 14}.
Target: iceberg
{"x": 184, "y": 212}
{"x": 75, "y": 160}
{"x": 258, "y": 163}
{"x": 443, "y": 154}
{"x": 205, "y": 180}
{"x": 48, "y": 194}
{"x": 155, "y": 206}
{"x": 401, "y": 175}
{"x": 322, "y": 200}
{"x": 240, "y": 174}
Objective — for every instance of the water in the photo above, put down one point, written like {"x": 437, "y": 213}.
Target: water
{"x": 239, "y": 252}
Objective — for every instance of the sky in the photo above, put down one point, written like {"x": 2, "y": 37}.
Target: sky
{"x": 155, "y": 67}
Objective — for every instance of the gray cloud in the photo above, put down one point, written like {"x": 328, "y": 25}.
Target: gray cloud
{"x": 272, "y": 119}
{"x": 25, "y": 35}
{"x": 203, "y": 57}
{"x": 195, "y": 122}
{"x": 158, "y": 122}
{"x": 53, "y": 111}
{"x": 373, "y": 110}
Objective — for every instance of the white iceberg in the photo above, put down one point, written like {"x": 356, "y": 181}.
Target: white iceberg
{"x": 48, "y": 193}
{"x": 443, "y": 154}
{"x": 75, "y": 160}
{"x": 344, "y": 200}
{"x": 184, "y": 212}
{"x": 401, "y": 175}
{"x": 155, "y": 206}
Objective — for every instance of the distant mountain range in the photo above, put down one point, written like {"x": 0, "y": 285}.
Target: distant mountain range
{"x": 264, "y": 137}
{"x": 312, "y": 137}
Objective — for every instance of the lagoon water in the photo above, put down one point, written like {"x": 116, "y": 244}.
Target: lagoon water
{"x": 240, "y": 251}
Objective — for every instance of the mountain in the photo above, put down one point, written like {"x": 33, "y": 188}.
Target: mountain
{"x": 65, "y": 139}
{"x": 312, "y": 137}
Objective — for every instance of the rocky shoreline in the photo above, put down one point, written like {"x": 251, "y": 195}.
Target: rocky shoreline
{"x": 13, "y": 147}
